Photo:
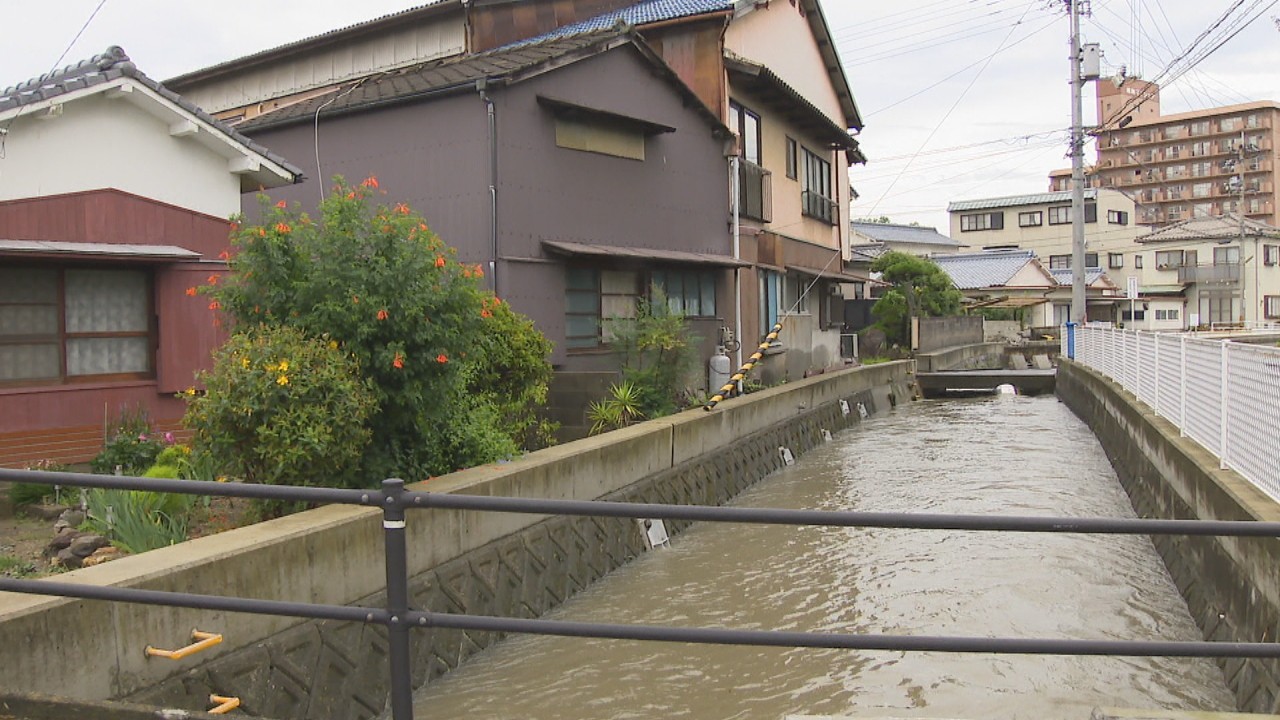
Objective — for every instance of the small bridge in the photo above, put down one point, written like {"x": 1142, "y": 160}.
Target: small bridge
{"x": 1027, "y": 382}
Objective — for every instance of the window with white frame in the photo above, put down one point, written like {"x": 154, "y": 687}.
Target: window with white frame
{"x": 982, "y": 221}
{"x": 691, "y": 293}
{"x": 1168, "y": 314}
{"x": 815, "y": 200}
{"x": 1117, "y": 217}
{"x": 74, "y": 323}
{"x": 1034, "y": 218}
{"x": 1115, "y": 261}
{"x": 1137, "y": 261}
{"x": 1168, "y": 259}
{"x": 1271, "y": 306}
{"x": 1270, "y": 254}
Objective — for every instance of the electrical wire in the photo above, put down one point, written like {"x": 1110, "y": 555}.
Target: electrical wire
{"x": 950, "y": 110}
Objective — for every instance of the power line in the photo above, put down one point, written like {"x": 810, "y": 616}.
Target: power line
{"x": 950, "y": 110}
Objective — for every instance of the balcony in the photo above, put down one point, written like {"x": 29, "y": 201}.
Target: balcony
{"x": 819, "y": 207}
{"x": 1222, "y": 273}
{"x": 755, "y": 192}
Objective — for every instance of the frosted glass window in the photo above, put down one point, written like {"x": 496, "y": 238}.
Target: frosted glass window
{"x": 106, "y": 301}
{"x": 29, "y": 362}
{"x": 104, "y": 356}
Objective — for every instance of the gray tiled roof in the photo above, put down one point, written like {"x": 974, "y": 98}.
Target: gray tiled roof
{"x": 889, "y": 232}
{"x": 642, "y": 13}
{"x": 113, "y": 65}
{"x": 1064, "y": 277}
{"x": 992, "y": 268}
{"x": 460, "y": 73}
{"x": 1018, "y": 200}
{"x": 1220, "y": 227}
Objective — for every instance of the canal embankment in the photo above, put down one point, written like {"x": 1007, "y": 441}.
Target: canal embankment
{"x": 1231, "y": 585}
{"x": 478, "y": 563}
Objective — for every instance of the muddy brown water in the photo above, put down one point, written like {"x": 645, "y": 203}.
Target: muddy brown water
{"x": 1010, "y": 455}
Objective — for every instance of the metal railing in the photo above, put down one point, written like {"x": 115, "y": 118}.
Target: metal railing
{"x": 1223, "y": 394}
{"x": 819, "y": 206}
{"x": 755, "y": 191}
{"x": 400, "y": 620}
{"x": 1215, "y": 273}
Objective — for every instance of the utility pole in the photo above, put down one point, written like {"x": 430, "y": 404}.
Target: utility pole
{"x": 1077, "y": 169}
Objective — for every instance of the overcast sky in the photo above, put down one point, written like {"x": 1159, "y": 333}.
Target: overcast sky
{"x": 929, "y": 76}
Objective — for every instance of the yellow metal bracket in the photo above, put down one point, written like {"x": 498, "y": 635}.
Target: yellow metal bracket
{"x": 203, "y": 641}
{"x": 224, "y": 704}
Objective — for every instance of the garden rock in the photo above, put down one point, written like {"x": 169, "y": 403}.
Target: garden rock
{"x": 46, "y": 512}
{"x": 102, "y": 555}
{"x": 84, "y": 545}
{"x": 68, "y": 519}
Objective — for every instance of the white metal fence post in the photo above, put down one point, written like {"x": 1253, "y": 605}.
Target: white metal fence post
{"x": 1222, "y": 411}
{"x": 1182, "y": 386}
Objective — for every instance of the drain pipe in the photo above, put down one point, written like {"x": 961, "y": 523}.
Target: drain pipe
{"x": 481, "y": 86}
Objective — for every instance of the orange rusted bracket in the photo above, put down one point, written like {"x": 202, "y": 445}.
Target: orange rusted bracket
{"x": 203, "y": 641}
{"x": 224, "y": 704}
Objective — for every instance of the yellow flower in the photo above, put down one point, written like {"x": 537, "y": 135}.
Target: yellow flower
{"x": 283, "y": 366}
{"x": 282, "y": 380}
{"x": 222, "y": 478}
{"x": 333, "y": 344}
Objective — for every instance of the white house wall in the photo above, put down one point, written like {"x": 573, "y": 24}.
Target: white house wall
{"x": 330, "y": 65}
{"x": 97, "y": 143}
{"x": 1046, "y": 239}
{"x": 777, "y": 36}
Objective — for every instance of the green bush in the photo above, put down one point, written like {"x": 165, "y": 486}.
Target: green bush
{"x": 131, "y": 447}
{"x": 619, "y": 410}
{"x": 657, "y": 353}
{"x": 378, "y": 284}
{"x": 508, "y": 369}
{"x": 138, "y": 520}
{"x": 282, "y": 409}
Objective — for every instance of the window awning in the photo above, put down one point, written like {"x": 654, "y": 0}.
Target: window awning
{"x": 51, "y": 248}
{"x": 836, "y": 275}
{"x": 616, "y": 252}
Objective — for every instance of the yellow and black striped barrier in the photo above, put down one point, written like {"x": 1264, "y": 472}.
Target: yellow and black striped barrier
{"x": 739, "y": 376}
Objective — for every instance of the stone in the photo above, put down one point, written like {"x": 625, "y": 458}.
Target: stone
{"x": 60, "y": 542}
{"x": 1042, "y": 362}
{"x": 871, "y": 342}
{"x": 101, "y": 555}
{"x": 72, "y": 517}
{"x": 66, "y": 558}
{"x": 84, "y": 545}
{"x": 46, "y": 512}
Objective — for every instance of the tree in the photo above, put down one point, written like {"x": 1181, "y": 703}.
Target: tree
{"x": 376, "y": 283}
{"x": 920, "y": 289}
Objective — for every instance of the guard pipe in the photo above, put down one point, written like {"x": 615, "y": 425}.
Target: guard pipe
{"x": 203, "y": 641}
{"x": 739, "y": 376}
{"x": 223, "y": 704}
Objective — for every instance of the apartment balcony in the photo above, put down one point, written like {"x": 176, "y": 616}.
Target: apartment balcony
{"x": 1222, "y": 273}
{"x": 819, "y": 207}
{"x": 755, "y": 192}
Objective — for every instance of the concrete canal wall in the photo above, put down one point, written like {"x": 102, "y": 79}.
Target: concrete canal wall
{"x": 481, "y": 563}
{"x": 1231, "y": 585}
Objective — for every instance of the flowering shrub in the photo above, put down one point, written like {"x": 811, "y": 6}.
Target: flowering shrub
{"x": 380, "y": 287}
{"x": 130, "y": 447}
{"x": 282, "y": 409}
{"x": 508, "y": 369}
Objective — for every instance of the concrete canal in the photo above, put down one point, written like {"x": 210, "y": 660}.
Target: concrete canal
{"x": 1011, "y": 455}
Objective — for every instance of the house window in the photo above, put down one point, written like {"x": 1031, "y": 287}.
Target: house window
{"x": 1059, "y": 262}
{"x": 1061, "y": 215}
{"x": 74, "y": 323}
{"x": 1170, "y": 314}
{"x": 982, "y": 221}
{"x": 747, "y": 124}
{"x": 792, "y": 158}
{"x": 599, "y": 137}
{"x": 1137, "y": 261}
{"x": 1217, "y": 306}
{"x": 591, "y": 298}
{"x": 1271, "y": 306}
{"x": 688, "y": 292}
{"x": 770, "y": 298}
{"x": 1201, "y": 190}
{"x": 794, "y": 298}
{"x": 815, "y": 200}
{"x": 1200, "y": 127}
{"x": 1168, "y": 259}
{"x": 1129, "y": 316}
{"x": 1226, "y": 255}
{"x": 1030, "y": 219}
{"x": 1117, "y": 217}
{"x": 1270, "y": 254}
{"x": 1228, "y": 124}
{"x": 1115, "y": 261}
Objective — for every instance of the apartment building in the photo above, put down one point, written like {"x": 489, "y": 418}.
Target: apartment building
{"x": 1183, "y": 166}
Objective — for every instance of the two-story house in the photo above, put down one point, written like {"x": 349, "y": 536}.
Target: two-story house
{"x": 580, "y": 170}
{"x": 115, "y": 198}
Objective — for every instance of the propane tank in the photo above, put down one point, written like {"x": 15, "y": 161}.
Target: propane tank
{"x": 718, "y": 369}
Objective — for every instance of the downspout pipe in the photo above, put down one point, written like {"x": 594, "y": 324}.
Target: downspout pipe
{"x": 482, "y": 85}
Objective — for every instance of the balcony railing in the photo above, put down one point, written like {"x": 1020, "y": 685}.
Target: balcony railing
{"x": 1219, "y": 273}
{"x": 755, "y": 192}
{"x": 818, "y": 206}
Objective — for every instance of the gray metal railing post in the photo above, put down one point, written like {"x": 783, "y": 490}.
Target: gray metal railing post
{"x": 398, "y": 627}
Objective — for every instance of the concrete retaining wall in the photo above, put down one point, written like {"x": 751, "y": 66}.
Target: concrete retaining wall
{"x": 1231, "y": 585}
{"x": 483, "y": 563}
{"x": 980, "y": 356}
{"x": 937, "y": 333}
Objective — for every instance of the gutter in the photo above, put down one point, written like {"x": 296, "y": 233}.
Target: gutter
{"x": 482, "y": 85}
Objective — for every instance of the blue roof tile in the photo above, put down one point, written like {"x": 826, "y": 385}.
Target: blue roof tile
{"x": 641, "y": 13}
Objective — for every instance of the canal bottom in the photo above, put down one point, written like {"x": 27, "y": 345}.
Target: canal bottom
{"x": 997, "y": 455}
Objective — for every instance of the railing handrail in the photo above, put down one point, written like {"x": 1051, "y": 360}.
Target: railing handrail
{"x": 400, "y": 619}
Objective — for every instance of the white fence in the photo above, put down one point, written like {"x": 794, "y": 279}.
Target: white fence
{"x": 1220, "y": 392}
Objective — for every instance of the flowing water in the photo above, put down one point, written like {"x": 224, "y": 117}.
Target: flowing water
{"x": 1003, "y": 454}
